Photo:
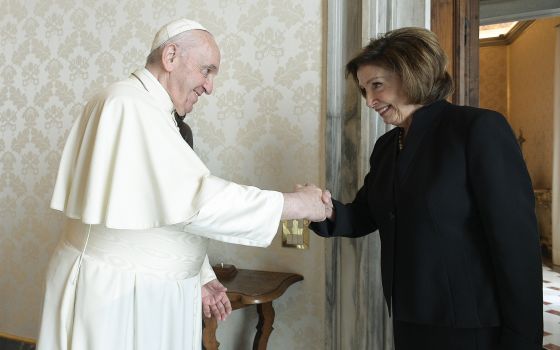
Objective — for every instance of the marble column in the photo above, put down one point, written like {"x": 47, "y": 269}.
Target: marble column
{"x": 356, "y": 312}
{"x": 342, "y": 147}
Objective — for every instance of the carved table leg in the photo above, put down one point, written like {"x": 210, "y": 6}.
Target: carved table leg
{"x": 209, "y": 334}
{"x": 264, "y": 328}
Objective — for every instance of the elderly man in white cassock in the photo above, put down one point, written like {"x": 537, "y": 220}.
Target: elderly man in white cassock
{"x": 131, "y": 270}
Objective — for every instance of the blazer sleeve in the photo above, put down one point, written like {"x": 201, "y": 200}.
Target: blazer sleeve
{"x": 351, "y": 220}
{"x": 505, "y": 201}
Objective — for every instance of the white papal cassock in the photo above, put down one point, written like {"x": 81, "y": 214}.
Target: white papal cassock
{"x": 140, "y": 209}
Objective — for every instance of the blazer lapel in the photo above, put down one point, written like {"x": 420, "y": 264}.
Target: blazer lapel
{"x": 383, "y": 199}
{"x": 424, "y": 122}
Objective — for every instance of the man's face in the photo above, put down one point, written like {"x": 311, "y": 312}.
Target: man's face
{"x": 194, "y": 73}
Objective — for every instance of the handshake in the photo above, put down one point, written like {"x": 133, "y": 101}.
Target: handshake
{"x": 308, "y": 202}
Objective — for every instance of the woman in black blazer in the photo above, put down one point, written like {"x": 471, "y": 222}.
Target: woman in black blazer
{"x": 450, "y": 194}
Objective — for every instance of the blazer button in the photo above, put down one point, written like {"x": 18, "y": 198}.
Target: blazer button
{"x": 391, "y": 216}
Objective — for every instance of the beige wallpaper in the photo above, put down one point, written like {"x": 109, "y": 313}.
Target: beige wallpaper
{"x": 518, "y": 80}
{"x": 494, "y": 78}
{"x": 261, "y": 127}
{"x": 531, "y": 72}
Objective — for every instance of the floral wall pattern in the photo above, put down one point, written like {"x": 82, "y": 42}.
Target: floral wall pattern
{"x": 494, "y": 78}
{"x": 531, "y": 102}
{"x": 517, "y": 80}
{"x": 262, "y": 127}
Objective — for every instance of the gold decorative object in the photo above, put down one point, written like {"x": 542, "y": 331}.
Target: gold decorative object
{"x": 295, "y": 234}
{"x": 224, "y": 271}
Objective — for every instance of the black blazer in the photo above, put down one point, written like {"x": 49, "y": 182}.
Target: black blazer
{"x": 456, "y": 216}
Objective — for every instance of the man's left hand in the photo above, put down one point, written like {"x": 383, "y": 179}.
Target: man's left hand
{"x": 215, "y": 301}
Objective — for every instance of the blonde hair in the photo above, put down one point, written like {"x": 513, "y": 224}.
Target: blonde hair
{"x": 415, "y": 55}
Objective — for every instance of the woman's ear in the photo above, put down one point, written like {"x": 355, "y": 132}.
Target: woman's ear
{"x": 169, "y": 56}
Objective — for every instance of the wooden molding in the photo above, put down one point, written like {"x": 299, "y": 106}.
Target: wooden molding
{"x": 508, "y": 38}
{"x": 456, "y": 23}
{"x": 17, "y": 338}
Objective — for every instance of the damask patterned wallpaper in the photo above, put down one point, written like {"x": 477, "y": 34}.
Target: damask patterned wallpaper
{"x": 531, "y": 101}
{"x": 494, "y": 78}
{"x": 517, "y": 80}
{"x": 262, "y": 126}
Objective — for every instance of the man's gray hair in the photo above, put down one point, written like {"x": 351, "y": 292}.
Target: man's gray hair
{"x": 184, "y": 41}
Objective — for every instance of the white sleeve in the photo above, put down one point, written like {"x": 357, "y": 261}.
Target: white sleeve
{"x": 206, "y": 272}
{"x": 238, "y": 214}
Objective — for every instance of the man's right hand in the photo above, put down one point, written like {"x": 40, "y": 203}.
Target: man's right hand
{"x": 304, "y": 203}
{"x": 314, "y": 208}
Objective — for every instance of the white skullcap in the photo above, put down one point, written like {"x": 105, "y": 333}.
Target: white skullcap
{"x": 174, "y": 28}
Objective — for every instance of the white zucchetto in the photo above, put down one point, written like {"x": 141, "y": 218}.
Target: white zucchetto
{"x": 174, "y": 28}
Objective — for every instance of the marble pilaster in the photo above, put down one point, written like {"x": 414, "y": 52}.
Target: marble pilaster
{"x": 356, "y": 312}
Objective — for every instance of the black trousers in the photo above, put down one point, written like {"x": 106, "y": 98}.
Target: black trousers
{"x": 410, "y": 336}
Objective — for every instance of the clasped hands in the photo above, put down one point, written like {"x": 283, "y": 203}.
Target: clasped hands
{"x": 316, "y": 203}
{"x": 307, "y": 201}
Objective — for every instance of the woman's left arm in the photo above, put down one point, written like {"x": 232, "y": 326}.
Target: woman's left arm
{"x": 505, "y": 201}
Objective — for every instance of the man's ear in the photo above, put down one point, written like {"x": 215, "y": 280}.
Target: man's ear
{"x": 169, "y": 56}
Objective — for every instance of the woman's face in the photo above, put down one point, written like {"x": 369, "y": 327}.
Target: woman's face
{"x": 383, "y": 92}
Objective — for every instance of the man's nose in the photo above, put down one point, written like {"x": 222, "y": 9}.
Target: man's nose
{"x": 208, "y": 85}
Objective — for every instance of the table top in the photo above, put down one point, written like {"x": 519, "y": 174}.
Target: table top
{"x": 256, "y": 287}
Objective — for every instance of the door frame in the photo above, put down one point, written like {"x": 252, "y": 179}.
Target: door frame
{"x": 456, "y": 23}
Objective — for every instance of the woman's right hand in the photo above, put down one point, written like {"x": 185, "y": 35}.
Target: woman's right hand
{"x": 329, "y": 207}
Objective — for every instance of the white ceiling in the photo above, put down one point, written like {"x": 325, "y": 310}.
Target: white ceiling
{"x": 497, "y": 11}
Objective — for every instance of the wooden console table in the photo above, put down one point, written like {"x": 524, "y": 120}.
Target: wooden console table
{"x": 250, "y": 287}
